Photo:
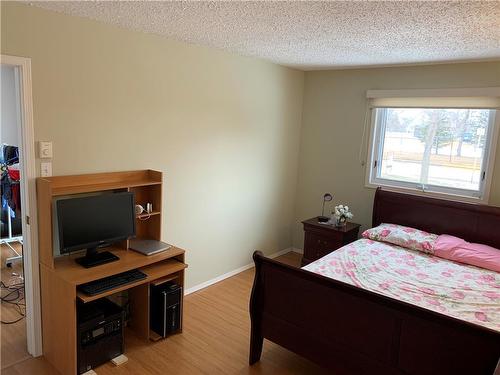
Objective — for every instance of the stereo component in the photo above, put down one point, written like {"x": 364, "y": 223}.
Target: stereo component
{"x": 99, "y": 333}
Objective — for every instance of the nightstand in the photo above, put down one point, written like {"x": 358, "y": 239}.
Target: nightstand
{"x": 321, "y": 239}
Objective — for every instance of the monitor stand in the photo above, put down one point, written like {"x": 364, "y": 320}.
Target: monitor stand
{"x": 94, "y": 258}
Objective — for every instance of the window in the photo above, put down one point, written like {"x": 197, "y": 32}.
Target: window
{"x": 437, "y": 150}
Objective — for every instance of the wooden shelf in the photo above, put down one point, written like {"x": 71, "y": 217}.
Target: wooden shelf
{"x": 161, "y": 269}
{"x": 146, "y": 216}
{"x": 85, "y": 298}
{"x": 165, "y": 279}
{"x": 68, "y": 190}
{"x": 67, "y": 185}
{"x": 154, "y": 271}
{"x": 67, "y": 269}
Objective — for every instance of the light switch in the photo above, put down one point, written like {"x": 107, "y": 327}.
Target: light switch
{"x": 45, "y": 150}
{"x": 46, "y": 169}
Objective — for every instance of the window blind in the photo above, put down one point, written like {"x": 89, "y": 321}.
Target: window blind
{"x": 478, "y": 98}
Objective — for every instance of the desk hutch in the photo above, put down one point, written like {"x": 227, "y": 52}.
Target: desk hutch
{"x": 60, "y": 276}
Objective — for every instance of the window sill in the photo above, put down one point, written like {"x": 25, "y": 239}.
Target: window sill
{"x": 430, "y": 194}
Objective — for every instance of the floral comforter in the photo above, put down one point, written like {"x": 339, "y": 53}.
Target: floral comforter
{"x": 461, "y": 291}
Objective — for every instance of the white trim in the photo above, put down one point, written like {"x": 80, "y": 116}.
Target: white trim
{"x": 371, "y": 147}
{"x": 297, "y": 250}
{"x": 426, "y": 93}
{"x": 492, "y": 149}
{"x": 229, "y": 274}
{"x": 28, "y": 202}
{"x": 430, "y": 194}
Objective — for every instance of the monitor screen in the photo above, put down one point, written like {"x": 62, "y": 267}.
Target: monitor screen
{"x": 95, "y": 221}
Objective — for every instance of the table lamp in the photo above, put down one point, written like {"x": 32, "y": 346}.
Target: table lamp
{"x": 326, "y": 198}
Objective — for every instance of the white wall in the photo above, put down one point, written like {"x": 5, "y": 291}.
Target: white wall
{"x": 9, "y": 107}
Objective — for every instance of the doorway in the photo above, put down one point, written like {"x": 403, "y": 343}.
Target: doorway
{"x": 13, "y": 305}
{"x": 20, "y": 334}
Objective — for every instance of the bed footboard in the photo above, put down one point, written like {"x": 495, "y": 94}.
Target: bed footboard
{"x": 354, "y": 331}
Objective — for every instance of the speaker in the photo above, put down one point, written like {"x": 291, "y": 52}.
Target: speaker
{"x": 165, "y": 308}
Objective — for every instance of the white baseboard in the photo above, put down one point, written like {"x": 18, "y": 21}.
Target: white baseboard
{"x": 236, "y": 271}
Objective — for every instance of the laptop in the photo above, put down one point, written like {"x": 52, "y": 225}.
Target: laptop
{"x": 148, "y": 247}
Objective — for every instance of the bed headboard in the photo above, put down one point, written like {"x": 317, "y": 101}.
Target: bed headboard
{"x": 472, "y": 222}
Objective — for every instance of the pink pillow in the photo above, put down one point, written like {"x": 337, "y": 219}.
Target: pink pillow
{"x": 410, "y": 238}
{"x": 475, "y": 254}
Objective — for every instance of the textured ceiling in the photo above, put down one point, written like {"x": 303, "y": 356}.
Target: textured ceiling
{"x": 315, "y": 35}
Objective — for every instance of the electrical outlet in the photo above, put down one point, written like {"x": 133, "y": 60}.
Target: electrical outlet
{"x": 46, "y": 169}
{"x": 45, "y": 150}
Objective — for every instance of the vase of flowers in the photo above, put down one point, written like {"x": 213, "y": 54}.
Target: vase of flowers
{"x": 340, "y": 215}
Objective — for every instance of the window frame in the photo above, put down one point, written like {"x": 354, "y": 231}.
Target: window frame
{"x": 375, "y": 145}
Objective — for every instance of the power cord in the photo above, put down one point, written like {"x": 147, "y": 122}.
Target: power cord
{"x": 14, "y": 296}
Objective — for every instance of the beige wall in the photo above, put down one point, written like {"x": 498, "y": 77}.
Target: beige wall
{"x": 224, "y": 129}
{"x": 333, "y": 116}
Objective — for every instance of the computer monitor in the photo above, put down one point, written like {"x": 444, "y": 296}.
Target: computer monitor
{"x": 94, "y": 222}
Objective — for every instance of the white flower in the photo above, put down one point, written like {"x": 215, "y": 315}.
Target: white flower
{"x": 342, "y": 211}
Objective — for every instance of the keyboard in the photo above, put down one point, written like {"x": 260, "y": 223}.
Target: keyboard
{"x": 111, "y": 282}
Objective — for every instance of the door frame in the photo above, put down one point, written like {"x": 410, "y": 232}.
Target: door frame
{"x": 28, "y": 204}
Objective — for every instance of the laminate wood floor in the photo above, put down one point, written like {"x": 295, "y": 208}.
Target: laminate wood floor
{"x": 13, "y": 347}
{"x": 215, "y": 340}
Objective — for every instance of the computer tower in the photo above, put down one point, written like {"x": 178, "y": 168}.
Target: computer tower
{"x": 165, "y": 308}
{"x": 99, "y": 333}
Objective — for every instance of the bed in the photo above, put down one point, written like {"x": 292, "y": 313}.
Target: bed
{"x": 343, "y": 324}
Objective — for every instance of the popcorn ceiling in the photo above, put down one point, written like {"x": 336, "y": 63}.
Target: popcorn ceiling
{"x": 315, "y": 35}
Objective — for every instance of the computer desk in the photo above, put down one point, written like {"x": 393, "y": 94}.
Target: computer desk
{"x": 60, "y": 295}
{"x": 60, "y": 276}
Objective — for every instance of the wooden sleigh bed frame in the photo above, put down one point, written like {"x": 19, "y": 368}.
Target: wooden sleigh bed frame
{"x": 353, "y": 331}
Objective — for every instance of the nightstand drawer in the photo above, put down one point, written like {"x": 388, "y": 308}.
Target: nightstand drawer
{"x": 329, "y": 245}
{"x": 321, "y": 239}
{"x": 324, "y": 231}
{"x": 317, "y": 246}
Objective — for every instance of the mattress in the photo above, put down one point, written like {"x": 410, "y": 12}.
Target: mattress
{"x": 464, "y": 292}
